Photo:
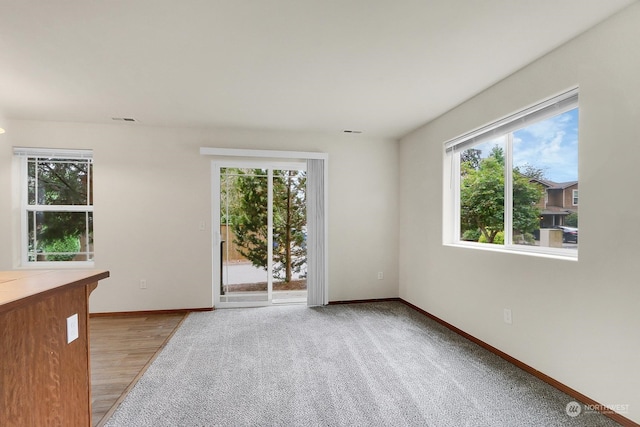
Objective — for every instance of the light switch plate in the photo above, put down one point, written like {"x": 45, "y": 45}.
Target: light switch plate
{"x": 72, "y": 328}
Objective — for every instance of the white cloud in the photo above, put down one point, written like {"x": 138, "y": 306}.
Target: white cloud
{"x": 549, "y": 145}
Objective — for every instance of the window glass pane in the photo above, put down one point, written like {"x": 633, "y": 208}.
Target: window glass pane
{"x": 60, "y": 236}
{"x": 545, "y": 180}
{"x": 31, "y": 182}
{"x": 31, "y": 236}
{"x": 59, "y": 181}
{"x": 482, "y": 192}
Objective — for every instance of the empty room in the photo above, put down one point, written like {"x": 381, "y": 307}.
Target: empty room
{"x": 331, "y": 213}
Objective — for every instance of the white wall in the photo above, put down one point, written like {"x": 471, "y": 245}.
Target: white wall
{"x": 152, "y": 189}
{"x": 5, "y": 197}
{"x": 575, "y": 321}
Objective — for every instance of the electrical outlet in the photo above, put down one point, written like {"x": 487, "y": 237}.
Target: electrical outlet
{"x": 380, "y": 275}
{"x": 72, "y": 328}
{"x": 507, "y": 316}
{"x": 143, "y": 283}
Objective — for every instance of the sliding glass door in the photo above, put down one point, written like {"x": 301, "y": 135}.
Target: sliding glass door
{"x": 260, "y": 249}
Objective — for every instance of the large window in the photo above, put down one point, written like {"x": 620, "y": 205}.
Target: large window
{"x": 514, "y": 183}
{"x": 57, "y": 205}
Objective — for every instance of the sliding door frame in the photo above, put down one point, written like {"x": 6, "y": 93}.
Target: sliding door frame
{"x": 283, "y": 160}
{"x": 269, "y": 166}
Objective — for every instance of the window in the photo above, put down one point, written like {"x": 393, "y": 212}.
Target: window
{"x": 56, "y": 205}
{"x": 507, "y": 180}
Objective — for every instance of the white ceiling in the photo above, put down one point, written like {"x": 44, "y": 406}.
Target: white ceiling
{"x": 381, "y": 66}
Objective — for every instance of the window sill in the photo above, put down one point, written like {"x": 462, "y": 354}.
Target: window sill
{"x": 553, "y": 253}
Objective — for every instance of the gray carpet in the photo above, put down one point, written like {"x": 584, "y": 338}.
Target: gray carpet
{"x": 374, "y": 364}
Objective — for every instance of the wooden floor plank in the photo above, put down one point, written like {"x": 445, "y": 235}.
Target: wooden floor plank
{"x": 121, "y": 349}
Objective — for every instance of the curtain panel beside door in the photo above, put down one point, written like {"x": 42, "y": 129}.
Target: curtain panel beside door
{"x": 316, "y": 220}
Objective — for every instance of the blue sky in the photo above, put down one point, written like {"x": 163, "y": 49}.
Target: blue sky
{"x": 550, "y": 145}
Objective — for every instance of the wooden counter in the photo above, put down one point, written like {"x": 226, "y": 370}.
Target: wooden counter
{"x": 44, "y": 379}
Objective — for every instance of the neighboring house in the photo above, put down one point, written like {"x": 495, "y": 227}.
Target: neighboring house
{"x": 560, "y": 199}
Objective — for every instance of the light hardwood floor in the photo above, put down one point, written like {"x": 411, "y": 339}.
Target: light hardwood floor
{"x": 121, "y": 349}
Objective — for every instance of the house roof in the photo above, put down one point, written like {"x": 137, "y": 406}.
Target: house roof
{"x": 384, "y": 67}
{"x": 551, "y": 185}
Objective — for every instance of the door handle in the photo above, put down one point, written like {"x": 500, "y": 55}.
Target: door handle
{"x": 221, "y": 263}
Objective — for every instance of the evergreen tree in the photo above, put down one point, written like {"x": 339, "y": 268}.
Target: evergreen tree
{"x": 289, "y": 222}
{"x": 249, "y": 216}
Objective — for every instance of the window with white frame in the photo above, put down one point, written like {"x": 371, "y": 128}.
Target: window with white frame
{"x": 56, "y": 205}
{"x": 507, "y": 180}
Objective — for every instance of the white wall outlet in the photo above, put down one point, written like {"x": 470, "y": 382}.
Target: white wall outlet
{"x": 380, "y": 275}
{"x": 72, "y": 328}
{"x": 507, "y": 316}
{"x": 143, "y": 283}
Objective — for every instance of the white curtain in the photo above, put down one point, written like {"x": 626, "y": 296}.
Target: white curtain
{"x": 317, "y": 291}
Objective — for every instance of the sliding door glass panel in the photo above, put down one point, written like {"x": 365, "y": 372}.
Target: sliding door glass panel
{"x": 289, "y": 271}
{"x": 244, "y": 227}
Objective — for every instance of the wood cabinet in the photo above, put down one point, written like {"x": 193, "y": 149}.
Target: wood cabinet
{"x": 44, "y": 379}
